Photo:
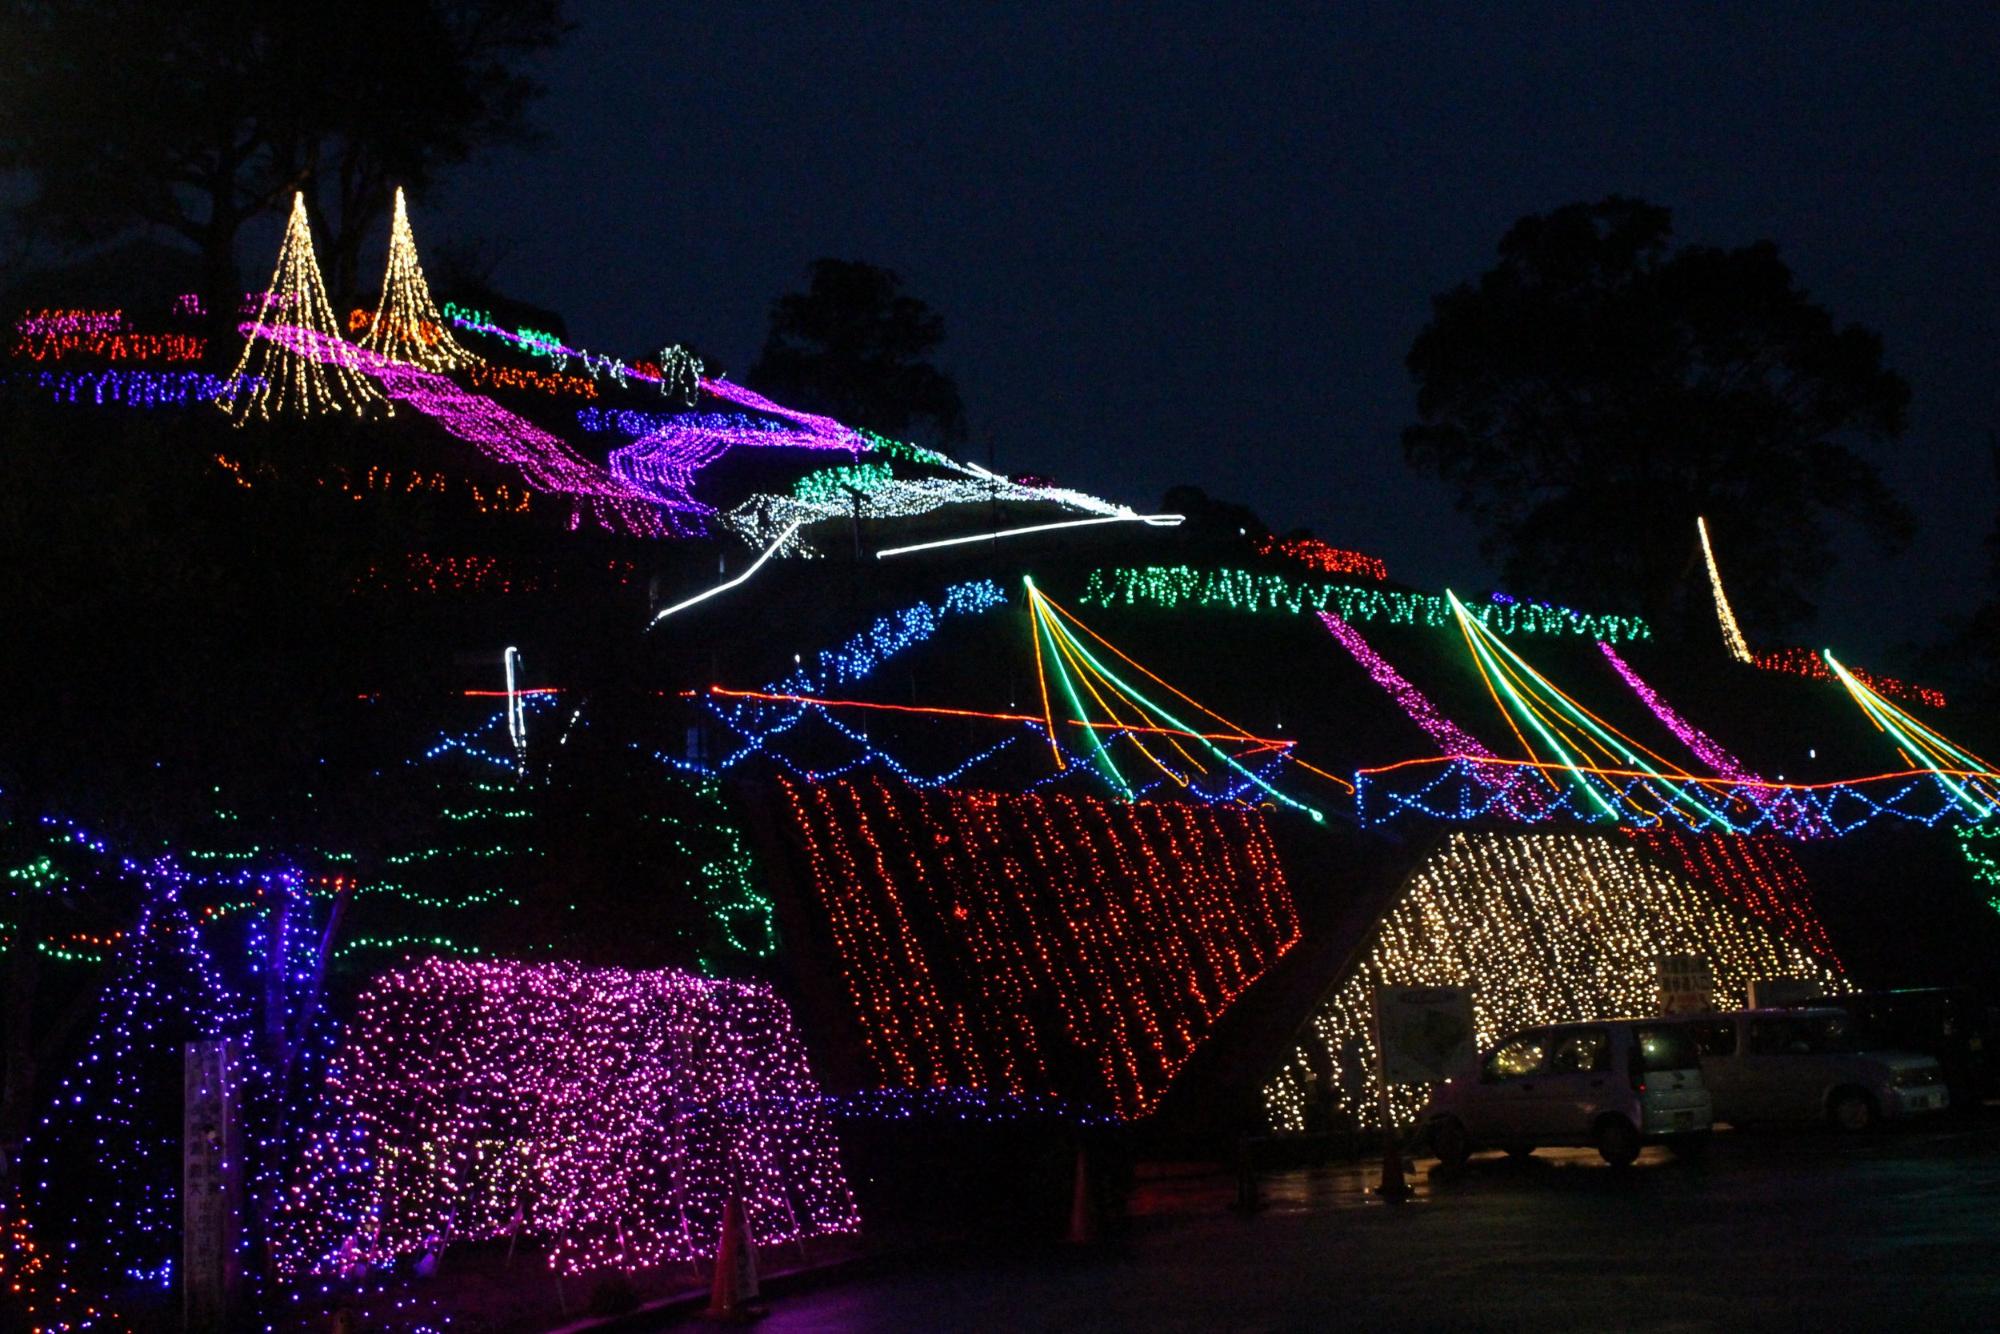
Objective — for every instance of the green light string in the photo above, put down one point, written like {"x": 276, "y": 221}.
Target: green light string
{"x": 1171, "y": 586}
{"x": 837, "y": 483}
{"x": 1976, "y": 843}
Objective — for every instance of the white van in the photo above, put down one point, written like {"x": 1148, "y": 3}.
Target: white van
{"x": 1805, "y": 1066}
{"x": 1612, "y": 1084}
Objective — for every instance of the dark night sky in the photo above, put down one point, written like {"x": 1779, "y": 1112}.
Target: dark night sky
{"x": 1193, "y": 242}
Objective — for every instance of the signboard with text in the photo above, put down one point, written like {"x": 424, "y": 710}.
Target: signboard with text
{"x": 1687, "y": 984}
{"x": 1426, "y": 1033}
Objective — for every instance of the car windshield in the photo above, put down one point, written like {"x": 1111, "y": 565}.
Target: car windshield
{"x": 1663, "y": 1047}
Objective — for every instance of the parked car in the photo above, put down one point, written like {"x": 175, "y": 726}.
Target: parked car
{"x": 1943, "y": 1022}
{"x": 1807, "y": 1065}
{"x": 1612, "y": 1084}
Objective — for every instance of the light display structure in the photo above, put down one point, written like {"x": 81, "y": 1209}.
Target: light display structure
{"x": 1545, "y": 928}
{"x": 1040, "y": 944}
{"x": 609, "y": 1111}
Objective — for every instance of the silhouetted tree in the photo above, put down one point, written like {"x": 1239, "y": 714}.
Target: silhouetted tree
{"x": 1595, "y": 391}
{"x": 853, "y": 346}
{"x": 193, "y": 119}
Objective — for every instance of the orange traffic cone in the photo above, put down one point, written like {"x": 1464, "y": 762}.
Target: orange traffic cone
{"x": 1082, "y": 1208}
{"x": 734, "y": 1293}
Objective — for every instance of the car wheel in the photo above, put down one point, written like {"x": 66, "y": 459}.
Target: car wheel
{"x": 1851, "y": 1111}
{"x": 1617, "y": 1141}
{"x": 1692, "y": 1148}
{"x": 1448, "y": 1142}
{"x": 1520, "y": 1153}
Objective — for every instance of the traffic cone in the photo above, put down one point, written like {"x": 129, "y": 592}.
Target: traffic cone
{"x": 734, "y": 1292}
{"x": 1082, "y": 1208}
{"x": 1394, "y": 1188}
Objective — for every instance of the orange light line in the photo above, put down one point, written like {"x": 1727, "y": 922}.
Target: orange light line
{"x": 1042, "y": 680}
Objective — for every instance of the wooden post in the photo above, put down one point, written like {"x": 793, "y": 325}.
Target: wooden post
{"x": 211, "y": 1189}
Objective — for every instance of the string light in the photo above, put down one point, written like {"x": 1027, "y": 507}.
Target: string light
{"x": 406, "y": 325}
{"x": 1324, "y": 559}
{"x": 1040, "y": 944}
{"x": 1970, "y": 779}
{"x": 1732, "y": 633}
{"x": 606, "y": 1110}
{"x": 1070, "y": 662}
{"x": 167, "y": 347}
{"x": 1545, "y": 929}
{"x": 1459, "y": 788}
{"x": 69, "y": 321}
{"x": 547, "y": 463}
{"x": 1975, "y": 844}
{"x": 1150, "y": 520}
{"x": 133, "y": 389}
{"x": 273, "y": 377}
{"x": 1169, "y": 587}
{"x": 1808, "y": 663}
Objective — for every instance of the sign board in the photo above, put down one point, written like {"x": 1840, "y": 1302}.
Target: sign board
{"x": 1687, "y": 984}
{"x": 1425, "y": 1033}
{"x": 211, "y": 1187}
{"x": 1765, "y": 991}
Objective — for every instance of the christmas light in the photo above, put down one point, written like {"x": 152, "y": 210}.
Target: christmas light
{"x": 1970, "y": 779}
{"x": 1975, "y": 844}
{"x": 547, "y": 463}
{"x": 1132, "y": 927}
{"x": 69, "y": 321}
{"x": 608, "y": 1111}
{"x": 1169, "y": 587}
{"x": 1807, "y": 662}
{"x": 663, "y": 462}
{"x": 1732, "y": 633}
{"x": 168, "y": 347}
{"x": 134, "y": 389}
{"x": 1545, "y": 929}
{"x": 727, "y": 584}
{"x": 837, "y": 484}
{"x": 1569, "y": 733}
{"x": 1318, "y": 556}
{"x": 1070, "y": 662}
{"x": 406, "y": 325}
{"x": 1514, "y": 789}
{"x": 1150, "y": 520}
{"x": 1461, "y": 789}
{"x": 274, "y": 376}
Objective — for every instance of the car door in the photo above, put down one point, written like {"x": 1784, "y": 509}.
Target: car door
{"x": 1562, "y": 1105}
{"x": 1778, "y": 1076}
{"x": 1721, "y": 1066}
{"x": 1502, "y": 1108}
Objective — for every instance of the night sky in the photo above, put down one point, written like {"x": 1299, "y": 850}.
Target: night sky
{"x": 1192, "y": 243}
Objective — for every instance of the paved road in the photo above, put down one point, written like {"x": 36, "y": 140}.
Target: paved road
{"x": 1813, "y": 1232}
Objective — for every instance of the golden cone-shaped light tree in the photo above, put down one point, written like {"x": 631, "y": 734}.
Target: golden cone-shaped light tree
{"x": 406, "y": 325}
{"x": 295, "y": 362}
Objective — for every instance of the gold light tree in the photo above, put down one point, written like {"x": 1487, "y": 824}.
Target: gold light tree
{"x": 406, "y": 325}
{"x": 295, "y": 361}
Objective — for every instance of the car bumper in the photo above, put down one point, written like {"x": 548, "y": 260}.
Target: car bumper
{"x": 1662, "y": 1122}
{"x": 1919, "y": 1101}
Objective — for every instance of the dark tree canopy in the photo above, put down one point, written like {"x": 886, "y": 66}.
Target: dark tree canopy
{"x": 854, "y": 346}
{"x": 193, "y": 119}
{"x": 1598, "y": 389}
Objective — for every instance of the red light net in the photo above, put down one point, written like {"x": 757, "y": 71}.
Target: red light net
{"x": 1759, "y": 874}
{"x": 1040, "y": 944}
